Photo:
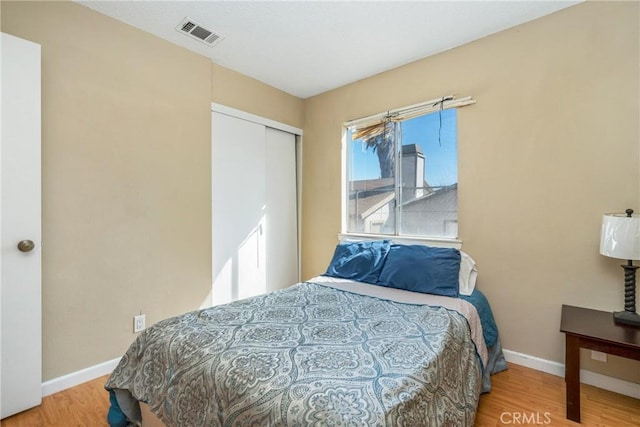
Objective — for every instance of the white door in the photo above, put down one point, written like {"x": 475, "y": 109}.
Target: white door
{"x": 238, "y": 203}
{"x": 281, "y": 215}
{"x": 254, "y": 208}
{"x": 20, "y": 269}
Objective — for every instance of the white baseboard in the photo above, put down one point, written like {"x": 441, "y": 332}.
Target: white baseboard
{"x": 533, "y": 362}
{"x": 587, "y": 377}
{"x": 76, "y": 378}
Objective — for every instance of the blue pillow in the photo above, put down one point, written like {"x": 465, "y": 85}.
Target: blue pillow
{"x": 422, "y": 269}
{"x": 361, "y": 261}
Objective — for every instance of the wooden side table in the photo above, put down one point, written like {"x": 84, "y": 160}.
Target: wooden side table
{"x": 594, "y": 330}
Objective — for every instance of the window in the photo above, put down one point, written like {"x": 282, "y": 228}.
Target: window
{"x": 402, "y": 172}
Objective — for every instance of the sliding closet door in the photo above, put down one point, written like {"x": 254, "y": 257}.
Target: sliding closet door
{"x": 254, "y": 209}
{"x": 281, "y": 224}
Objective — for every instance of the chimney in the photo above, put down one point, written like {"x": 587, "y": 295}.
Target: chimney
{"x": 412, "y": 172}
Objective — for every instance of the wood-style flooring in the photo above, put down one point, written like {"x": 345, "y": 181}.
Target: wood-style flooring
{"x": 520, "y": 396}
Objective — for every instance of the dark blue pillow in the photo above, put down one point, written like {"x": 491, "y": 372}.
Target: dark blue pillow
{"x": 422, "y": 269}
{"x": 361, "y": 261}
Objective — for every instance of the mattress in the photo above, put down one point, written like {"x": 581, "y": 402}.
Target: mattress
{"x": 323, "y": 352}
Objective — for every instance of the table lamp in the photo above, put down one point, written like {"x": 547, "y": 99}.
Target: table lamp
{"x": 620, "y": 238}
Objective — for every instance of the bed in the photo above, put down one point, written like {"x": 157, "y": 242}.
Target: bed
{"x": 329, "y": 351}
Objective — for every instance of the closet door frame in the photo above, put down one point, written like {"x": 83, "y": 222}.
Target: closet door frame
{"x": 223, "y": 109}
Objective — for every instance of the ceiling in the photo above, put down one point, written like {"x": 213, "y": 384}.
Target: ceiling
{"x": 308, "y": 47}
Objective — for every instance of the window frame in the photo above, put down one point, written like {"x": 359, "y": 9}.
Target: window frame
{"x": 404, "y": 113}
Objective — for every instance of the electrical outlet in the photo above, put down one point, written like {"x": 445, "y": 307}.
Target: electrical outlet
{"x": 599, "y": 356}
{"x": 138, "y": 323}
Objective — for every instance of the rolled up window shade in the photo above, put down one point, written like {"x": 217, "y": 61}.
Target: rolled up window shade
{"x": 373, "y": 125}
{"x": 371, "y": 131}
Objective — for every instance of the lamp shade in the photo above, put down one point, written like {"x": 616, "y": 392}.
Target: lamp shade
{"x": 620, "y": 236}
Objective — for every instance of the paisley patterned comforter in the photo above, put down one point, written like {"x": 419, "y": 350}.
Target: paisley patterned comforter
{"x": 309, "y": 355}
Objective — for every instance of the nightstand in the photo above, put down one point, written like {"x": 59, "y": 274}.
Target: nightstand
{"x": 594, "y": 330}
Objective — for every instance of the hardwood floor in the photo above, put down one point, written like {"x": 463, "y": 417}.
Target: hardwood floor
{"x": 523, "y": 396}
{"x": 520, "y": 396}
{"x": 83, "y": 406}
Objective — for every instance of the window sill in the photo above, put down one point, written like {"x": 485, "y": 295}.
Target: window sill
{"x": 407, "y": 240}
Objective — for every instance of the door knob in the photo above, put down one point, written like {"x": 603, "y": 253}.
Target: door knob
{"x": 26, "y": 246}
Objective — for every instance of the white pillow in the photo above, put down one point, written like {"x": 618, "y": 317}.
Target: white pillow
{"x": 468, "y": 274}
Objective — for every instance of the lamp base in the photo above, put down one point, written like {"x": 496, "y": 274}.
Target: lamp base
{"x": 627, "y": 318}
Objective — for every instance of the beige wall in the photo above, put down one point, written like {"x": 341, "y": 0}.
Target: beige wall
{"x": 236, "y": 90}
{"x": 126, "y": 175}
{"x": 551, "y": 145}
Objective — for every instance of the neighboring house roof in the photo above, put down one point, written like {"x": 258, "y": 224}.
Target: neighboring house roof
{"x": 370, "y": 204}
{"x": 373, "y": 201}
{"x": 444, "y": 192}
{"x": 372, "y": 184}
{"x": 369, "y": 195}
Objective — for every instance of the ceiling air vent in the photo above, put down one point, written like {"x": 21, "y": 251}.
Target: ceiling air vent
{"x": 198, "y": 32}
